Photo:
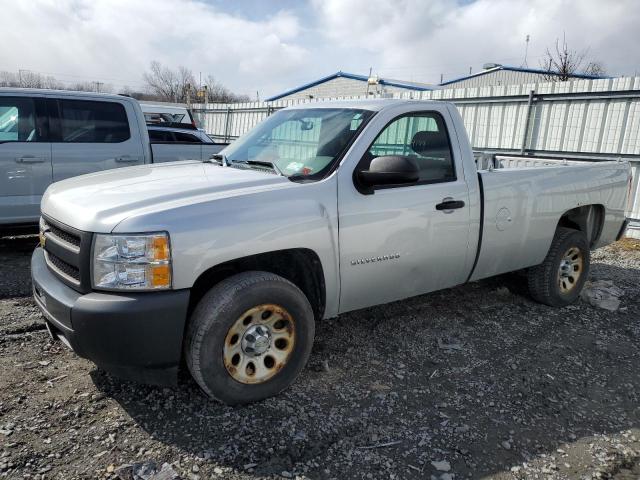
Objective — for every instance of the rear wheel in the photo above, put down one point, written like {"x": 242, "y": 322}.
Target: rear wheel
{"x": 249, "y": 337}
{"x": 558, "y": 280}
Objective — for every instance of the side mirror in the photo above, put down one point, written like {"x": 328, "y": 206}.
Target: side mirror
{"x": 389, "y": 170}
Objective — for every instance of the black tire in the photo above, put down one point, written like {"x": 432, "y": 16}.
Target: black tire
{"x": 543, "y": 279}
{"x": 219, "y": 309}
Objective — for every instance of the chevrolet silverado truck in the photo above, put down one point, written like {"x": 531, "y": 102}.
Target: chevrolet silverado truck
{"x": 223, "y": 267}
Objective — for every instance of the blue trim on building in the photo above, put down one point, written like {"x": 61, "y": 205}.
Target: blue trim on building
{"x": 352, "y": 76}
{"x": 517, "y": 69}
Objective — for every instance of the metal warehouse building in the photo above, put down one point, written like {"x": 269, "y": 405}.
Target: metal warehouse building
{"x": 495, "y": 74}
{"x": 343, "y": 84}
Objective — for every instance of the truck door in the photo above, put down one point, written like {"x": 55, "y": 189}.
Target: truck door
{"x": 402, "y": 241}
{"x": 25, "y": 158}
{"x": 92, "y": 135}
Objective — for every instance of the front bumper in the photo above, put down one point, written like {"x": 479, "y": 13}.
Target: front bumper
{"x": 137, "y": 336}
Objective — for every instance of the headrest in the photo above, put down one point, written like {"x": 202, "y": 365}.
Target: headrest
{"x": 426, "y": 141}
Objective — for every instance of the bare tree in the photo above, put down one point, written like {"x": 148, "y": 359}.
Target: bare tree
{"x": 8, "y": 79}
{"x": 596, "y": 69}
{"x": 99, "y": 87}
{"x": 169, "y": 85}
{"x": 562, "y": 63}
{"x": 180, "y": 86}
{"x": 28, "y": 79}
{"x": 139, "y": 95}
{"x": 216, "y": 92}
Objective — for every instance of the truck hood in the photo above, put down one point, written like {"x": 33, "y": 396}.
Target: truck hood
{"x": 98, "y": 202}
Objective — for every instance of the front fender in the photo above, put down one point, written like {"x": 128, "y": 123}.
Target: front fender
{"x": 204, "y": 235}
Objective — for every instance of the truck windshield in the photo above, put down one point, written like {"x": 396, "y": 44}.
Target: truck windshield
{"x": 301, "y": 143}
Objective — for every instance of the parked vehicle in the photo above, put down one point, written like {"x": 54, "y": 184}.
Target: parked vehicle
{"x": 47, "y": 136}
{"x": 321, "y": 209}
{"x": 161, "y": 113}
{"x": 177, "y": 141}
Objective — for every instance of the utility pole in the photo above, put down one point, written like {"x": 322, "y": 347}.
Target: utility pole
{"x": 98, "y": 84}
{"x": 526, "y": 51}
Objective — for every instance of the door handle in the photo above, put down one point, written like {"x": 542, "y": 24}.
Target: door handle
{"x": 127, "y": 159}
{"x": 29, "y": 159}
{"x": 448, "y": 205}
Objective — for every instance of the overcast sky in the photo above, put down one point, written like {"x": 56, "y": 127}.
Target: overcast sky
{"x": 271, "y": 46}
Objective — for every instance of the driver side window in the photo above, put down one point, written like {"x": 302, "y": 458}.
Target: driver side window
{"x": 423, "y": 137}
{"x": 17, "y": 120}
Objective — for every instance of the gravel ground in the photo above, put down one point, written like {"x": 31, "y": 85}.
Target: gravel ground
{"x": 472, "y": 382}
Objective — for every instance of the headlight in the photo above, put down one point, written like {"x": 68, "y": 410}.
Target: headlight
{"x": 132, "y": 262}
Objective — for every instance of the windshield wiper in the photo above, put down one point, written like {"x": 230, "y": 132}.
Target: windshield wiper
{"x": 219, "y": 158}
{"x": 261, "y": 163}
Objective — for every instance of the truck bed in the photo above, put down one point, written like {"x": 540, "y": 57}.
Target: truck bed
{"x": 523, "y": 198}
{"x": 486, "y": 161}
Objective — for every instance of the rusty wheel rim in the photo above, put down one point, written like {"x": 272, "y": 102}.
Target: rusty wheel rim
{"x": 570, "y": 270}
{"x": 259, "y": 344}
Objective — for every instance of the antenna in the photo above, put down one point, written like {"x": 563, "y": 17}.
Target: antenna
{"x": 526, "y": 51}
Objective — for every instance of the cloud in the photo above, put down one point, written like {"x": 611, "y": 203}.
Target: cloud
{"x": 115, "y": 40}
{"x": 424, "y": 38}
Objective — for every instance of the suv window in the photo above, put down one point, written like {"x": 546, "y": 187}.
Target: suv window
{"x": 85, "y": 121}
{"x": 423, "y": 137}
{"x": 164, "y": 136}
{"x": 17, "y": 120}
{"x": 160, "y": 136}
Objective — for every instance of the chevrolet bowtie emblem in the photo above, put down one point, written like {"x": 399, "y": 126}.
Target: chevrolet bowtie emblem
{"x": 43, "y": 240}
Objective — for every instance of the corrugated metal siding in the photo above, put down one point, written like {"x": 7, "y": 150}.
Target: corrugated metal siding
{"x": 589, "y": 120}
{"x": 498, "y": 78}
{"x": 341, "y": 86}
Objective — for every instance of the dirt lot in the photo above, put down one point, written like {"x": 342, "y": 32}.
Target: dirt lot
{"x": 473, "y": 382}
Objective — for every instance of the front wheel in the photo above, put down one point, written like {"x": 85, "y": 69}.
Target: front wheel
{"x": 559, "y": 279}
{"x": 249, "y": 337}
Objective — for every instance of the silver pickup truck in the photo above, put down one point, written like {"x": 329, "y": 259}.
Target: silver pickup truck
{"x": 49, "y": 135}
{"x": 226, "y": 265}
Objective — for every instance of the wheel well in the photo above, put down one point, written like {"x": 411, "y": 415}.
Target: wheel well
{"x": 588, "y": 219}
{"x": 300, "y": 266}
